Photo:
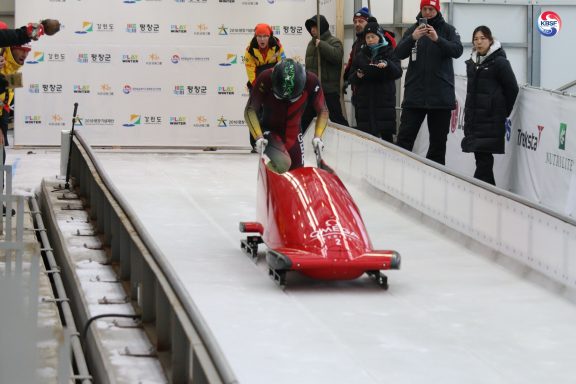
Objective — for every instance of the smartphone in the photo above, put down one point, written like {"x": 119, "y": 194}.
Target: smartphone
{"x": 422, "y": 21}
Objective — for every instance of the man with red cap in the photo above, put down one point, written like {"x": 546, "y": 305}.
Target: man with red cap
{"x": 430, "y": 44}
{"x": 263, "y": 52}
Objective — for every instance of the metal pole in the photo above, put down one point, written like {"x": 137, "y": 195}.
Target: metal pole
{"x": 67, "y": 185}
{"x": 318, "y": 32}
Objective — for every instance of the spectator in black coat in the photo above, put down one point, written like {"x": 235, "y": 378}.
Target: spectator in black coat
{"x": 431, "y": 44}
{"x": 373, "y": 74}
{"x": 490, "y": 96}
{"x": 360, "y": 19}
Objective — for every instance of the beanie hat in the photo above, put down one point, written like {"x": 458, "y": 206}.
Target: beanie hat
{"x": 263, "y": 29}
{"x": 24, "y": 47}
{"x": 374, "y": 27}
{"x": 362, "y": 13}
{"x": 432, "y": 3}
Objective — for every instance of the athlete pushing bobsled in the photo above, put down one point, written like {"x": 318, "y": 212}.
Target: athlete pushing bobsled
{"x": 305, "y": 215}
{"x": 281, "y": 94}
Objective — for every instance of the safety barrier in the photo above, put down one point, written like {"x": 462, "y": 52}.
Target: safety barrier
{"x": 184, "y": 343}
{"x": 506, "y": 223}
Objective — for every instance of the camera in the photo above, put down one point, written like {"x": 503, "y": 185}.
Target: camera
{"x": 422, "y": 21}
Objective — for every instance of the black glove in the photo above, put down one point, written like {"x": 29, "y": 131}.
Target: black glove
{"x": 3, "y": 84}
{"x": 345, "y": 87}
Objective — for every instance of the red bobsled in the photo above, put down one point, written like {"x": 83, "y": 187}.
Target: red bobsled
{"x": 310, "y": 224}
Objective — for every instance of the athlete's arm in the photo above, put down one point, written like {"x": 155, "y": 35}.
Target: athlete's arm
{"x": 253, "y": 106}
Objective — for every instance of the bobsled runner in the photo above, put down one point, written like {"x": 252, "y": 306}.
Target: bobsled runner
{"x": 310, "y": 224}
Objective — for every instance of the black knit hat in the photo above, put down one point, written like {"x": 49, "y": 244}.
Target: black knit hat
{"x": 374, "y": 27}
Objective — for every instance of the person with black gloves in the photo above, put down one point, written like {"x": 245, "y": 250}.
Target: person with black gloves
{"x": 431, "y": 44}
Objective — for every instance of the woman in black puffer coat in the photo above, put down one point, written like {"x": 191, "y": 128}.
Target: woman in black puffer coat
{"x": 373, "y": 74}
{"x": 490, "y": 96}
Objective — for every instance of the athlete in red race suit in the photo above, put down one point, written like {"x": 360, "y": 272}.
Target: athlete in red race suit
{"x": 282, "y": 94}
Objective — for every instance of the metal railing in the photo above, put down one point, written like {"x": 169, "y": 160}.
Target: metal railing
{"x": 185, "y": 346}
{"x": 19, "y": 300}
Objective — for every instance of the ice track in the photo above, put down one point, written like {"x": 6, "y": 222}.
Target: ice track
{"x": 451, "y": 315}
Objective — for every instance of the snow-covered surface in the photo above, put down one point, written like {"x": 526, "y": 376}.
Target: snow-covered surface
{"x": 120, "y": 338}
{"x": 451, "y": 315}
{"x": 129, "y": 354}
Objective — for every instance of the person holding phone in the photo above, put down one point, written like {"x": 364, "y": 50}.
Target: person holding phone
{"x": 373, "y": 74}
{"x": 430, "y": 45}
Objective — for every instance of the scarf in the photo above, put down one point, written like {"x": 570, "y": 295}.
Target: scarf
{"x": 374, "y": 48}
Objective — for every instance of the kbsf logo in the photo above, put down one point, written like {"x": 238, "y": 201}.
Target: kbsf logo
{"x": 549, "y": 23}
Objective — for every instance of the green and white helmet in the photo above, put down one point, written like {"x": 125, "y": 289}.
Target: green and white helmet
{"x": 288, "y": 79}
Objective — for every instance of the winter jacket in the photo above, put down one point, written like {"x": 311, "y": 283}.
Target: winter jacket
{"x": 490, "y": 96}
{"x": 331, "y": 54}
{"x": 358, "y": 43}
{"x": 429, "y": 79}
{"x": 10, "y": 67}
{"x": 356, "y": 46}
{"x": 376, "y": 90}
{"x": 13, "y": 37}
{"x": 256, "y": 62}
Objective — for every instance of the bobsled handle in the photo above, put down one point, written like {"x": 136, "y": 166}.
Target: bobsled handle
{"x": 318, "y": 154}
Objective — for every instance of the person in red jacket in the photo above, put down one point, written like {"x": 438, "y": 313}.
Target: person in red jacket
{"x": 281, "y": 94}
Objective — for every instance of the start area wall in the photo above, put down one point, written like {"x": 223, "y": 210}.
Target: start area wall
{"x": 149, "y": 72}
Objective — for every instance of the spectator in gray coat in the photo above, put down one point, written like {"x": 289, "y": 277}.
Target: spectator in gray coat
{"x": 331, "y": 51}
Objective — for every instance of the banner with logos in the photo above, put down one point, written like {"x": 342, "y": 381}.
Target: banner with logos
{"x": 540, "y": 150}
{"x": 544, "y": 150}
{"x": 149, "y": 72}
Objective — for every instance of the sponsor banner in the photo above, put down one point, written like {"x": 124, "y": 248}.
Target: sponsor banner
{"x": 148, "y": 72}
{"x": 545, "y": 150}
{"x": 540, "y": 159}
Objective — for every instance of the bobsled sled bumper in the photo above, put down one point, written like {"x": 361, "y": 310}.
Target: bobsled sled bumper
{"x": 386, "y": 259}
{"x": 250, "y": 226}
{"x": 395, "y": 261}
{"x": 278, "y": 261}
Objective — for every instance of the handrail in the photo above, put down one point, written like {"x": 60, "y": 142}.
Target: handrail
{"x": 491, "y": 188}
{"x": 566, "y": 86}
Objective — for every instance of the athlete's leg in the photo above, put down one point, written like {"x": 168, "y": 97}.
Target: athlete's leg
{"x": 277, "y": 153}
